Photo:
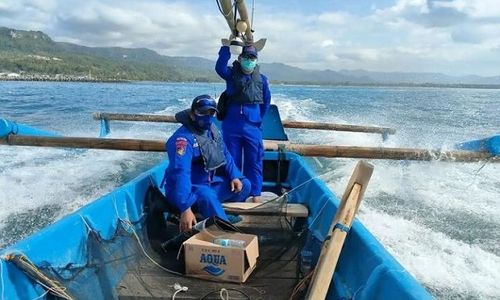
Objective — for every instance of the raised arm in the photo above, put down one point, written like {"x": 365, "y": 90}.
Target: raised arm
{"x": 221, "y": 66}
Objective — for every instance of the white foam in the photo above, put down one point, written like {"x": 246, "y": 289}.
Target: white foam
{"x": 435, "y": 259}
{"x": 34, "y": 177}
{"x": 471, "y": 189}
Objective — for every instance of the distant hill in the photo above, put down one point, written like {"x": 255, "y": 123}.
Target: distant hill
{"x": 34, "y": 52}
{"x": 421, "y": 78}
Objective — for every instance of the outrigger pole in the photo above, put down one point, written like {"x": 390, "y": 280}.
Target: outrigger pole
{"x": 286, "y": 123}
{"x": 302, "y": 149}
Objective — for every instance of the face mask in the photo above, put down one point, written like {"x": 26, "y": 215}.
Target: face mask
{"x": 247, "y": 64}
{"x": 204, "y": 122}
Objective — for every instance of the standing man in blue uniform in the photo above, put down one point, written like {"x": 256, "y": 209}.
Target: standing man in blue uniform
{"x": 201, "y": 173}
{"x": 247, "y": 100}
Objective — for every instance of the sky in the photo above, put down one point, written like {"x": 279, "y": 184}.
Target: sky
{"x": 454, "y": 37}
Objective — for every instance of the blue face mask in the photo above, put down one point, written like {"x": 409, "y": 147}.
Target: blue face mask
{"x": 247, "y": 64}
{"x": 205, "y": 121}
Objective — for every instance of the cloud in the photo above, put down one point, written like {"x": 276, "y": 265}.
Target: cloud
{"x": 408, "y": 35}
{"x": 335, "y": 18}
{"x": 466, "y": 35}
{"x": 169, "y": 28}
{"x": 428, "y": 13}
{"x": 327, "y": 43}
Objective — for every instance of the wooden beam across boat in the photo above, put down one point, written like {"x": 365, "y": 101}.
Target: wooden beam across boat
{"x": 302, "y": 149}
{"x": 264, "y": 209}
{"x": 286, "y": 123}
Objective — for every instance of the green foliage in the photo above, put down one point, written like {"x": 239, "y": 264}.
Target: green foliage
{"x": 34, "y": 53}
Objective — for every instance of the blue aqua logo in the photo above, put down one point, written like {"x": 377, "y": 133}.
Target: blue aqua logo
{"x": 213, "y": 261}
{"x": 212, "y": 270}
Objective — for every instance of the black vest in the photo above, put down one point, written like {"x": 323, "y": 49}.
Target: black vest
{"x": 247, "y": 92}
{"x": 212, "y": 149}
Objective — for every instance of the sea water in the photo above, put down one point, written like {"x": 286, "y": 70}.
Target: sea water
{"x": 440, "y": 220}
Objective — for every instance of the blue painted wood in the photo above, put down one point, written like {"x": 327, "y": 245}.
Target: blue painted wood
{"x": 490, "y": 144}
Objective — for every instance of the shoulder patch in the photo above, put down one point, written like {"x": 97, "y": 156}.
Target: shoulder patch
{"x": 180, "y": 146}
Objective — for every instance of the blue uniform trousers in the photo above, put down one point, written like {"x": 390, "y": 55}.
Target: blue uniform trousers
{"x": 207, "y": 199}
{"x": 244, "y": 142}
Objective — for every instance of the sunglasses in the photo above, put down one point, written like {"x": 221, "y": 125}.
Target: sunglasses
{"x": 209, "y": 112}
{"x": 250, "y": 57}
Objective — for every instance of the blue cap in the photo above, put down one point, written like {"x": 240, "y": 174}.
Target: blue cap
{"x": 249, "y": 50}
{"x": 203, "y": 103}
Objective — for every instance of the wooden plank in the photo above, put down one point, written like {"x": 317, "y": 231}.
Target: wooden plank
{"x": 331, "y": 251}
{"x": 289, "y": 210}
{"x": 332, "y": 246}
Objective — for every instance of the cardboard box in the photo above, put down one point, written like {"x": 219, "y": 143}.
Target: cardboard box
{"x": 207, "y": 260}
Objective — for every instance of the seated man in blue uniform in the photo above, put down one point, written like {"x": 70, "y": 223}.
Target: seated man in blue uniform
{"x": 247, "y": 99}
{"x": 201, "y": 173}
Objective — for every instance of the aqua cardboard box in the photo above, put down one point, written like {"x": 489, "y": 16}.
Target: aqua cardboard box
{"x": 204, "y": 259}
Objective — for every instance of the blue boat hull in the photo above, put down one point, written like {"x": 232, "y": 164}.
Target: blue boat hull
{"x": 90, "y": 250}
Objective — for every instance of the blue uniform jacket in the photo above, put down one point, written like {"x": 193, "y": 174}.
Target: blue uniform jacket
{"x": 186, "y": 168}
{"x": 252, "y": 112}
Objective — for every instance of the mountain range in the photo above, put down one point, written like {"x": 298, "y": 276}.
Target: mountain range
{"x": 34, "y": 52}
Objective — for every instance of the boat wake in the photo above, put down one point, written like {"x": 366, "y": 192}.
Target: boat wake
{"x": 440, "y": 220}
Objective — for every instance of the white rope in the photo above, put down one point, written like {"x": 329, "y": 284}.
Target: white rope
{"x": 179, "y": 288}
{"x": 56, "y": 292}
{"x": 292, "y": 190}
{"x": 86, "y": 224}
{"x": 116, "y": 208}
{"x": 42, "y": 295}
{"x": 222, "y": 290}
{"x": 130, "y": 226}
{"x": 175, "y": 294}
{"x": 319, "y": 213}
{"x": 59, "y": 290}
{"x": 144, "y": 251}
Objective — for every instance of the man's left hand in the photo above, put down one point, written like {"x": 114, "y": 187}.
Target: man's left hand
{"x": 236, "y": 185}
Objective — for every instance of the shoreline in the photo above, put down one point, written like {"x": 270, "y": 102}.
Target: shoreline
{"x": 345, "y": 84}
{"x": 64, "y": 79}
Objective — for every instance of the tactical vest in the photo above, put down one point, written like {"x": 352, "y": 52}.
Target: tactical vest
{"x": 247, "y": 92}
{"x": 211, "y": 149}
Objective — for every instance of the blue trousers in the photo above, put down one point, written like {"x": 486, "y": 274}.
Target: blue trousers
{"x": 208, "y": 198}
{"x": 244, "y": 142}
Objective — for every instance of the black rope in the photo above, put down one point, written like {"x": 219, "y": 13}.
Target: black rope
{"x": 281, "y": 158}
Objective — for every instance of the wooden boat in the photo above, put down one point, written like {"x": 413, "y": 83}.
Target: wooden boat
{"x": 105, "y": 250}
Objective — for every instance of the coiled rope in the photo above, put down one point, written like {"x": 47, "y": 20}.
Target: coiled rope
{"x": 52, "y": 286}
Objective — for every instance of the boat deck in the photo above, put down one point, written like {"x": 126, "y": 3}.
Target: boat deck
{"x": 275, "y": 276}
